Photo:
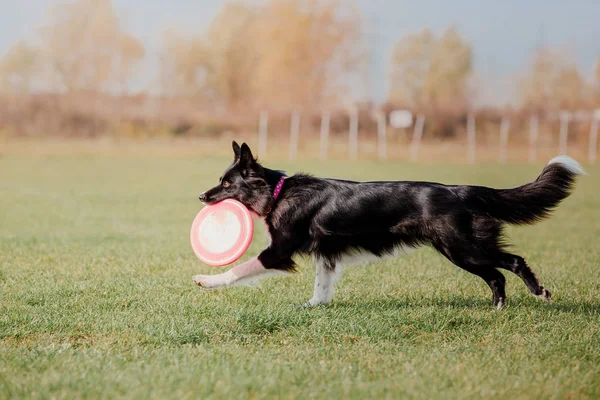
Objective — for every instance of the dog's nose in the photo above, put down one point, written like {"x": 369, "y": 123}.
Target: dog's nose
{"x": 202, "y": 197}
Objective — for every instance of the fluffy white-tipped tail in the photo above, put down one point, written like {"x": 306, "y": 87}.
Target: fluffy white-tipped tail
{"x": 533, "y": 201}
{"x": 570, "y": 164}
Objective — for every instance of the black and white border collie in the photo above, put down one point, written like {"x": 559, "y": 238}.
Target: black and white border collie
{"x": 337, "y": 222}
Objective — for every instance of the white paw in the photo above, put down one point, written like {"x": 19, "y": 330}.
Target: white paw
{"x": 546, "y": 296}
{"x": 208, "y": 281}
{"x": 314, "y": 302}
{"x": 500, "y": 304}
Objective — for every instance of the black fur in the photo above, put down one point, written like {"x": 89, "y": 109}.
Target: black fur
{"x": 330, "y": 218}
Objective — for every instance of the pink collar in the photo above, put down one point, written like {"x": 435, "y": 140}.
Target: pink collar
{"x": 278, "y": 188}
{"x": 276, "y": 193}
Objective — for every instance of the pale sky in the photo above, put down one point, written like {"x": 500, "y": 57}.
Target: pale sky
{"x": 502, "y": 33}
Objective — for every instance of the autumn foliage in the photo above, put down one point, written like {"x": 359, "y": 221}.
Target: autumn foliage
{"x": 283, "y": 56}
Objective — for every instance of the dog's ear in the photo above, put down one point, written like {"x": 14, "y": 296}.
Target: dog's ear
{"x": 236, "y": 150}
{"x": 246, "y": 157}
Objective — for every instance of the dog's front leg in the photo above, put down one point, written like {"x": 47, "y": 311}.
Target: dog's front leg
{"x": 326, "y": 276}
{"x": 251, "y": 270}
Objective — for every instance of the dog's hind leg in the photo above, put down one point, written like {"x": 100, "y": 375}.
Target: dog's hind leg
{"x": 518, "y": 266}
{"x": 495, "y": 280}
{"x": 326, "y": 275}
{"x": 481, "y": 267}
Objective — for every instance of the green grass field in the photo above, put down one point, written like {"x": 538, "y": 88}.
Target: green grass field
{"x": 96, "y": 299}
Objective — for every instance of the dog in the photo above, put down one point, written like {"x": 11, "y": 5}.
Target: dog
{"x": 338, "y": 222}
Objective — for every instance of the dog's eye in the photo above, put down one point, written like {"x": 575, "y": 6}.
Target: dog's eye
{"x": 225, "y": 184}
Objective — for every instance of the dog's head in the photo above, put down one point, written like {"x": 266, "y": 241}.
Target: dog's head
{"x": 244, "y": 180}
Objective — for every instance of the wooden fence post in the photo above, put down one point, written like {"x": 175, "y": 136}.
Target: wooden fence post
{"x": 324, "y": 134}
{"x": 263, "y": 124}
{"x": 382, "y": 136}
{"x": 294, "y": 135}
{"x": 415, "y": 144}
{"x": 471, "y": 142}
{"x": 504, "y": 127}
{"x": 353, "y": 135}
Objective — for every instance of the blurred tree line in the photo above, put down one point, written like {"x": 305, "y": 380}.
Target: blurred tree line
{"x": 280, "y": 55}
{"x": 297, "y": 54}
{"x": 81, "y": 47}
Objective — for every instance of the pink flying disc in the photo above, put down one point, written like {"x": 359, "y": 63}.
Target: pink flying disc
{"x": 222, "y": 232}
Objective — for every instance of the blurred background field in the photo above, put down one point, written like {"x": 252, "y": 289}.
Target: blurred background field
{"x": 120, "y": 70}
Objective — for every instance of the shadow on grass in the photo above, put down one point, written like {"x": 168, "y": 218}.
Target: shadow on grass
{"x": 573, "y": 307}
{"x": 389, "y": 303}
{"x": 372, "y": 319}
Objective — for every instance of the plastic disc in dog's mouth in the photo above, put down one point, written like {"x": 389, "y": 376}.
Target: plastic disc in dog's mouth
{"x": 222, "y": 232}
